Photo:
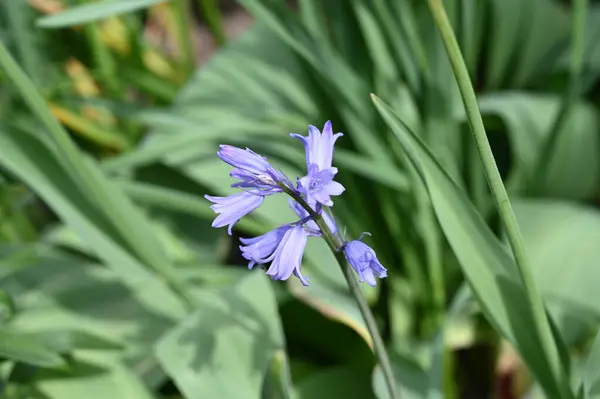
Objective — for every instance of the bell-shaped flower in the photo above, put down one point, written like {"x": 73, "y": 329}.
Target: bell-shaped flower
{"x": 319, "y": 146}
{"x": 318, "y": 185}
{"x": 233, "y": 207}
{"x": 260, "y": 249}
{"x": 287, "y": 258}
{"x": 364, "y": 261}
{"x": 255, "y": 172}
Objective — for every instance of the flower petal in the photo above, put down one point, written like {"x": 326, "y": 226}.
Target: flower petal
{"x": 243, "y": 159}
{"x": 334, "y": 188}
{"x": 233, "y": 207}
{"x": 288, "y": 255}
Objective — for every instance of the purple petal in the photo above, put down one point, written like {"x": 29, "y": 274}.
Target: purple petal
{"x": 288, "y": 255}
{"x": 260, "y": 249}
{"x": 322, "y": 197}
{"x": 232, "y": 208}
{"x": 363, "y": 260}
{"x": 243, "y": 159}
{"x": 334, "y": 188}
{"x": 326, "y": 175}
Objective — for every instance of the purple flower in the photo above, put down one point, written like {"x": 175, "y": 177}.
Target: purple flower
{"x": 319, "y": 146}
{"x": 287, "y": 258}
{"x": 318, "y": 185}
{"x": 311, "y": 225}
{"x": 255, "y": 173}
{"x": 260, "y": 249}
{"x": 232, "y": 208}
{"x": 364, "y": 261}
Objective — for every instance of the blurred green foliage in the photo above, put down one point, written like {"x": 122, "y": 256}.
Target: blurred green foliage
{"x": 113, "y": 284}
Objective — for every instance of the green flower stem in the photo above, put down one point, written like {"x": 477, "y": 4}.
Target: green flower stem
{"x": 568, "y": 100}
{"x": 498, "y": 190}
{"x": 335, "y": 243}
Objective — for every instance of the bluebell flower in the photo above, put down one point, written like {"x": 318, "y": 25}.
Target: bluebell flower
{"x": 311, "y": 225}
{"x": 287, "y": 258}
{"x": 260, "y": 250}
{"x": 319, "y": 146}
{"x": 318, "y": 185}
{"x": 364, "y": 261}
{"x": 255, "y": 172}
{"x": 234, "y": 207}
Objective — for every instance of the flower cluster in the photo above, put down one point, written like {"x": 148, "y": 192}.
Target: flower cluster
{"x": 284, "y": 246}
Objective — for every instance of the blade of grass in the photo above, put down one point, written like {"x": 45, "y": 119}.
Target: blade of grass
{"x": 500, "y": 196}
{"x": 85, "y": 13}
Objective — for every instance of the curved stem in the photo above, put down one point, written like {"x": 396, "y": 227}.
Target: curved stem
{"x": 335, "y": 243}
{"x": 513, "y": 233}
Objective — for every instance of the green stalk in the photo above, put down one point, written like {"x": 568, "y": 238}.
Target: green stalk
{"x": 499, "y": 194}
{"x": 184, "y": 35}
{"x": 568, "y": 100}
{"x": 335, "y": 244}
{"x": 212, "y": 15}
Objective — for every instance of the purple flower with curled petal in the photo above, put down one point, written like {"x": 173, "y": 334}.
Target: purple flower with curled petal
{"x": 364, "y": 261}
{"x": 261, "y": 249}
{"x": 287, "y": 258}
{"x": 232, "y": 208}
{"x": 318, "y": 185}
{"x": 255, "y": 173}
{"x": 319, "y": 146}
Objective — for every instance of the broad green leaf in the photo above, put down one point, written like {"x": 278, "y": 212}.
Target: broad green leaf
{"x": 85, "y": 13}
{"x": 485, "y": 262}
{"x": 559, "y": 233}
{"x": 224, "y": 348}
{"x": 104, "y": 379}
{"x": 16, "y": 346}
{"x": 64, "y": 341}
{"x": 574, "y": 168}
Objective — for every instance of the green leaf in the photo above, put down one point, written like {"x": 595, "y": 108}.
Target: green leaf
{"x": 64, "y": 341}
{"x": 16, "y": 346}
{"x": 485, "y": 262}
{"x": 224, "y": 348}
{"x": 559, "y": 233}
{"x": 85, "y": 13}
{"x": 591, "y": 371}
{"x": 574, "y": 169}
{"x": 412, "y": 380}
{"x": 277, "y": 384}
{"x": 37, "y": 166}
